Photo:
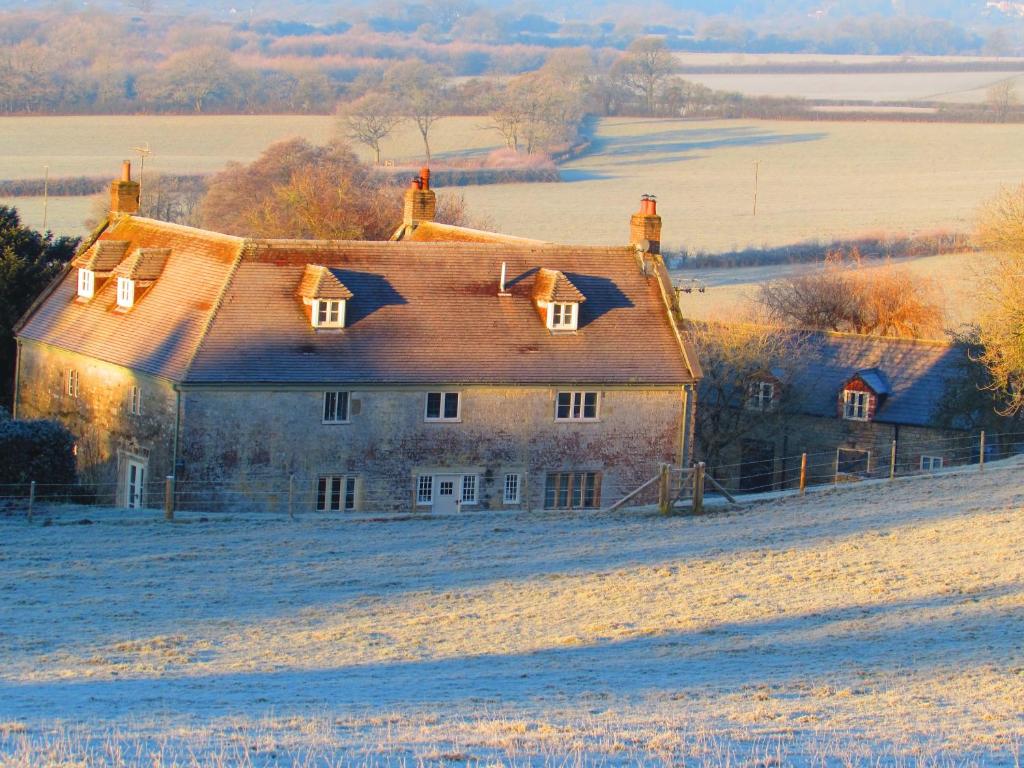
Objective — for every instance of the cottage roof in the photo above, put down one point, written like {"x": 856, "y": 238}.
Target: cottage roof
{"x": 143, "y": 264}
{"x": 435, "y": 232}
{"x": 103, "y": 255}
{"x": 318, "y": 282}
{"x": 875, "y": 379}
{"x": 224, "y": 312}
{"x": 553, "y": 285}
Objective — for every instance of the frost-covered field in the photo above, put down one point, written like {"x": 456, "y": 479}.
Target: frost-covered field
{"x": 879, "y": 625}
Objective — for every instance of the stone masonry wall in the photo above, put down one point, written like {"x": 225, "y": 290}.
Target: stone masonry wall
{"x": 241, "y": 446}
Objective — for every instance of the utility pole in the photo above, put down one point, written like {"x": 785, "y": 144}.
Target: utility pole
{"x": 757, "y": 168}
{"x": 144, "y": 152}
{"x": 46, "y": 192}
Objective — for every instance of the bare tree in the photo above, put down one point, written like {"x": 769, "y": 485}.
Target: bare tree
{"x": 419, "y": 92}
{"x": 646, "y": 64}
{"x": 1001, "y": 326}
{"x": 191, "y": 78}
{"x": 1001, "y": 98}
{"x": 370, "y": 119}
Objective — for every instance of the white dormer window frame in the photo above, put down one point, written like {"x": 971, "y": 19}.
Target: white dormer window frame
{"x": 856, "y": 405}
{"x": 563, "y": 315}
{"x": 328, "y": 313}
{"x": 761, "y": 395}
{"x": 125, "y": 292}
{"x": 86, "y": 283}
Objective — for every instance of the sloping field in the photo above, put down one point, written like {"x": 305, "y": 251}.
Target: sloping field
{"x": 876, "y": 625}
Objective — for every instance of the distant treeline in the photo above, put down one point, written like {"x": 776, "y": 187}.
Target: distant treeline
{"x": 77, "y": 186}
{"x": 895, "y": 246}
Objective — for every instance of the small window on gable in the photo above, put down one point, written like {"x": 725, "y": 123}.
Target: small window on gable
{"x": 135, "y": 400}
{"x": 855, "y": 405}
{"x": 557, "y": 300}
{"x": 86, "y": 283}
{"x": 325, "y": 295}
{"x": 125, "y": 292}
{"x": 576, "y": 406}
{"x": 442, "y": 406}
{"x": 761, "y": 396}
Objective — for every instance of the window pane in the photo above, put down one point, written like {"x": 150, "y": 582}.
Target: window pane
{"x": 433, "y": 405}
{"x": 350, "y": 493}
{"x": 335, "y": 494}
{"x": 562, "y": 408}
{"x": 511, "y": 489}
{"x": 562, "y": 500}
{"x": 550, "y": 488}
{"x": 424, "y": 489}
{"x": 577, "y": 490}
{"x": 342, "y": 408}
{"x": 451, "y": 405}
{"x": 590, "y": 405}
{"x": 588, "y": 489}
{"x": 469, "y": 488}
{"x": 321, "y": 495}
{"x": 567, "y": 314}
{"x": 330, "y": 405}
{"x": 576, "y": 404}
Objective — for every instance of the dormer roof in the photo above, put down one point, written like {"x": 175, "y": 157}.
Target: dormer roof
{"x": 143, "y": 264}
{"x": 104, "y": 256}
{"x": 318, "y": 282}
{"x": 874, "y": 379}
{"x": 552, "y": 285}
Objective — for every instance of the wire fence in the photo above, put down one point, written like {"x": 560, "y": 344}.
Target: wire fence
{"x": 304, "y": 494}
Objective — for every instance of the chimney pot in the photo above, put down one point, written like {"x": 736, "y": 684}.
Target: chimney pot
{"x": 126, "y": 170}
{"x": 425, "y": 177}
{"x": 652, "y": 203}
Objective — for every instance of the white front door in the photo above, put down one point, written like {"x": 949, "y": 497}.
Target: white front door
{"x": 135, "y": 484}
{"x": 447, "y": 493}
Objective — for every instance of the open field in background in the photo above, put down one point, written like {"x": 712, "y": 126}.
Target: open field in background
{"x": 952, "y": 87}
{"x": 958, "y": 278}
{"x": 883, "y": 624}
{"x": 694, "y": 59}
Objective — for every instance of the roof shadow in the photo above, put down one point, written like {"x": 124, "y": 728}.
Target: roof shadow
{"x": 370, "y": 292}
{"x": 602, "y": 295}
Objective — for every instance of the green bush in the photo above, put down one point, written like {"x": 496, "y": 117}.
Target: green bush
{"x": 43, "y": 451}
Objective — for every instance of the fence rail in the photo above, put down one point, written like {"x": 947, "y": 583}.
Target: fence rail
{"x": 672, "y": 488}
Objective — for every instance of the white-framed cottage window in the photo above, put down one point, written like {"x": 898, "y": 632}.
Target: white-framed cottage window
{"x": 425, "y": 490}
{"x": 469, "y": 489}
{"x": 761, "y": 396}
{"x": 855, "y": 405}
{"x": 443, "y": 406}
{"x": 930, "y": 463}
{"x": 71, "y": 382}
{"x": 336, "y": 407}
{"x": 336, "y": 493}
{"x": 576, "y": 406}
{"x": 572, "y": 490}
{"x": 135, "y": 400}
{"x": 125, "y": 292}
{"x": 86, "y": 283}
{"x": 328, "y": 313}
{"x": 511, "y": 495}
{"x": 563, "y": 316}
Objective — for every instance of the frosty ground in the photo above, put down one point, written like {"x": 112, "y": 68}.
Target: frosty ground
{"x": 873, "y": 625}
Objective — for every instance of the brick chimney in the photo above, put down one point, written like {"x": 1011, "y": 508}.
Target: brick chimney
{"x": 420, "y": 200}
{"x": 645, "y": 226}
{"x": 124, "y": 193}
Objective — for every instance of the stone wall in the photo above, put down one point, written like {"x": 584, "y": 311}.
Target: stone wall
{"x": 100, "y": 416}
{"x": 241, "y": 446}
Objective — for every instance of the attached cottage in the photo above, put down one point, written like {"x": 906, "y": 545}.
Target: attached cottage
{"x": 446, "y": 369}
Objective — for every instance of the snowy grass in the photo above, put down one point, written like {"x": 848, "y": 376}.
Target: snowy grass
{"x": 879, "y": 625}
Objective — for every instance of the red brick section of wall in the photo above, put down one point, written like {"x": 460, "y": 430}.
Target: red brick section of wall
{"x": 856, "y": 385}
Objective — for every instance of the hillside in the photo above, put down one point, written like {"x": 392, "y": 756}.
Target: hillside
{"x": 876, "y": 625}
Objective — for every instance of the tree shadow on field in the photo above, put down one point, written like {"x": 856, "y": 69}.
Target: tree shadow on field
{"x": 938, "y": 634}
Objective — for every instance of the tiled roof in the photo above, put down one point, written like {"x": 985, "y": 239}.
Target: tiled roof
{"x": 162, "y": 332}
{"x": 912, "y": 374}
{"x": 318, "y": 282}
{"x": 143, "y": 264}
{"x": 552, "y": 285}
{"x": 433, "y": 232}
{"x": 430, "y": 313}
{"x": 103, "y": 255}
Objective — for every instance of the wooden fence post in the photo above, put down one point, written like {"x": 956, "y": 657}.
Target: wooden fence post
{"x": 291, "y": 497}
{"x": 664, "y": 500}
{"x": 31, "y": 498}
{"x": 698, "y": 488}
{"x": 981, "y": 452}
{"x": 892, "y": 461}
{"x": 169, "y": 498}
{"x": 803, "y": 473}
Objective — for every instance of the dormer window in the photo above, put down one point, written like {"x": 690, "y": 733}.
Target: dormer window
{"x": 325, "y": 295}
{"x": 86, "y": 283}
{"x": 855, "y": 405}
{"x": 125, "y": 292}
{"x": 563, "y": 316}
{"x": 761, "y": 396}
{"x": 329, "y": 313}
{"x": 558, "y": 300}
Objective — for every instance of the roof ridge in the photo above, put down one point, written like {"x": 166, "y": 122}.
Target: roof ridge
{"x": 185, "y": 229}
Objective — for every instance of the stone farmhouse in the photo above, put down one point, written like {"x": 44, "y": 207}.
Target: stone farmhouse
{"x": 844, "y": 398}
{"x": 445, "y": 369}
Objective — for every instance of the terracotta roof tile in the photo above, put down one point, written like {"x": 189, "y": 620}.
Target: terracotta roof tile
{"x": 433, "y": 232}
{"x": 318, "y": 282}
{"x": 103, "y": 256}
{"x": 552, "y": 285}
{"x": 143, "y": 264}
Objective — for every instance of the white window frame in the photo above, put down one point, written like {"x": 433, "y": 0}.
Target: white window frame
{"x": 856, "y": 405}
{"x": 135, "y": 400}
{"x": 334, "y": 492}
{"x": 761, "y": 396}
{"x": 568, "y": 315}
{"x": 86, "y": 283}
{"x": 125, "y": 292}
{"x": 71, "y": 383}
{"x": 512, "y": 488}
{"x": 932, "y": 463}
{"x": 470, "y": 486}
{"x": 333, "y": 311}
{"x": 329, "y": 414}
{"x": 578, "y": 405}
{"x": 425, "y": 491}
{"x": 444, "y": 395}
